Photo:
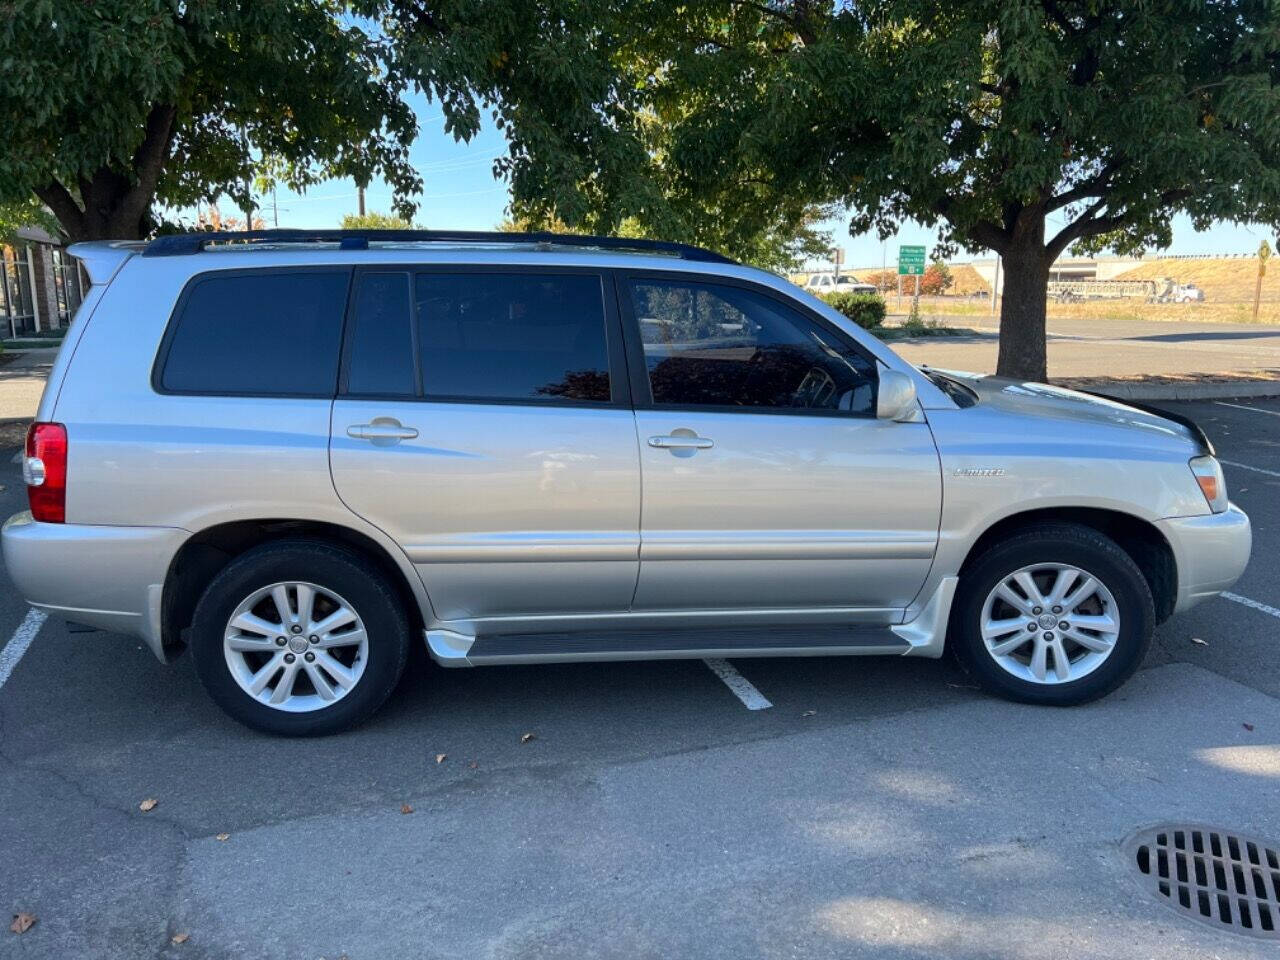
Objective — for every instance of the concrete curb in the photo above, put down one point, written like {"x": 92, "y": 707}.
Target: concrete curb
{"x": 1241, "y": 389}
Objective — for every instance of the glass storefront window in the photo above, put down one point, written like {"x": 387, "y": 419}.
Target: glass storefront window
{"x": 17, "y": 305}
{"x": 67, "y": 285}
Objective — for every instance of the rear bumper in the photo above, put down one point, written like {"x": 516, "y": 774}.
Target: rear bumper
{"x": 107, "y": 577}
{"x": 1211, "y": 553}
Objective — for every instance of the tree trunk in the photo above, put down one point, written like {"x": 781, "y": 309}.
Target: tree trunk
{"x": 113, "y": 206}
{"x": 1022, "y": 311}
{"x": 109, "y": 212}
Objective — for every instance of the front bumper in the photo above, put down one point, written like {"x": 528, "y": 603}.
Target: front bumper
{"x": 107, "y": 577}
{"x": 1211, "y": 553}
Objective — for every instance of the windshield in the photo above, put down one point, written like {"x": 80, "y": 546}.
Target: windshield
{"x": 957, "y": 391}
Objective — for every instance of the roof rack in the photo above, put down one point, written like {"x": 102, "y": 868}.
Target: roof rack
{"x": 182, "y": 244}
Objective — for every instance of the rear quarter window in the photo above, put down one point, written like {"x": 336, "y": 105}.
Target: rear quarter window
{"x": 260, "y": 333}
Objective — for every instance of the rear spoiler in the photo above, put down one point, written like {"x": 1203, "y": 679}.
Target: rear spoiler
{"x": 102, "y": 259}
{"x": 1197, "y": 433}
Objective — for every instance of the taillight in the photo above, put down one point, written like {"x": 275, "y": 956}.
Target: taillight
{"x": 45, "y": 471}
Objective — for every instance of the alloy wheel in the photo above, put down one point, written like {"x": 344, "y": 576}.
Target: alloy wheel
{"x": 296, "y": 646}
{"x": 1050, "y": 623}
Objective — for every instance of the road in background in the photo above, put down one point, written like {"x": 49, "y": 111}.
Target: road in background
{"x": 1082, "y": 347}
{"x": 877, "y": 808}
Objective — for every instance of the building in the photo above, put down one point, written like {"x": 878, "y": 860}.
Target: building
{"x": 41, "y": 286}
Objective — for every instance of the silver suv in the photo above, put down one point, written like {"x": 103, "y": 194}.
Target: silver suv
{"x": 295, "y": 453}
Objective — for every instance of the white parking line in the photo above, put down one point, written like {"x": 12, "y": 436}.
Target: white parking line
{"x": 1245, "y": 466}
{"x": 1241, "y": 406}
{"x": 18, "y": 643}
{"x": 1252, "y": 603}
{"x": 742, "y": 688}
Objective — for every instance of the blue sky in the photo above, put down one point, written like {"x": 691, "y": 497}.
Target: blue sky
{"x": 460, "y": 193}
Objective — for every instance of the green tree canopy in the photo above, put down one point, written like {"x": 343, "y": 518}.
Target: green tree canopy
{"x": 1019, "y": 126}
{"x": 595, "y": 141}
{"x": 15, "y": 216}
{"x": 111, "y": 106}
{"x": 375, "y": 221}
{"x": 780, "y": 248}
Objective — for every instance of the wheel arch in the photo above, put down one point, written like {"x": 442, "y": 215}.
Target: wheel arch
{"x": 206, "y": 552}
{"x": 1139, "y": 538}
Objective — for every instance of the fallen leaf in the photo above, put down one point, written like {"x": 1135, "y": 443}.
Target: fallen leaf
{"x": 180, "y": 938}
{"x": 809, "y": 713}
{"x": 526, "y": 737}
{"x": 1248, "y": 726}
{"x": 440, "y": 757}
{"x": 1199, "y": 642}
{"x": 147, "y": 805}
{"x": 223, "y": 836}
{"x": 405, "y": 808}
{"x": 22, "y": 922}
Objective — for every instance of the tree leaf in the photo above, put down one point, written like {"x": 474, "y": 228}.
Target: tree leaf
{"x": 22, "y": 922}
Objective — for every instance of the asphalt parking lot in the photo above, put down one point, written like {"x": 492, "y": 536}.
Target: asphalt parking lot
{"x": 875, "y": 808}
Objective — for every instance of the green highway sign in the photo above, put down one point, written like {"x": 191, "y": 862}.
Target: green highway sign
{"x": 911, "y": 261}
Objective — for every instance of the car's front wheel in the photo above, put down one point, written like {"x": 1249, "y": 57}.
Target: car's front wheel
{"x": 299, "y": 638}
{"x": 1057, "y": 614}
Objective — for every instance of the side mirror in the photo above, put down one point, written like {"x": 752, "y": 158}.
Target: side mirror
{"x": 896, "y": 398}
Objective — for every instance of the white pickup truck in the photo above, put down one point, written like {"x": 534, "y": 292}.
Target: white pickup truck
{"x": 832, "y": 283}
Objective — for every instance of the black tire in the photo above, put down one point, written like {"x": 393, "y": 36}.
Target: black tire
{"x": 1066, "y": 543}
{"x": 349, "y": 575}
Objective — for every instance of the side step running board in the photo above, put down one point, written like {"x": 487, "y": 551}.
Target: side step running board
{"x": 924, "y": 635}
{"x": 454, "y": 649}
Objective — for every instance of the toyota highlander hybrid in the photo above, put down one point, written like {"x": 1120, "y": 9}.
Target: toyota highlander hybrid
{"x": 297, "y": 454}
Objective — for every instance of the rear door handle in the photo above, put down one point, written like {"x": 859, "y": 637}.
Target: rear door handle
{"x": 382, "y": 429}
{"x": 681, "y": 443}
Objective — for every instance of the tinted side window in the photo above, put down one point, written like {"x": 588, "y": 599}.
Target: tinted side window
{"x": 258, "y": 333}
{"x": 381, "y": 358}
{"x": 723, "y": 346}
{"x": 490, "y": 336}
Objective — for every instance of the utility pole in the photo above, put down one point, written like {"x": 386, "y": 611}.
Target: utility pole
{"x": 360, "y": 195}
{"x": 275, "y": 209}
{"x": 995, "y": 286}
{"x": 248, "y": 185}
{"x": 1264, "y": 253}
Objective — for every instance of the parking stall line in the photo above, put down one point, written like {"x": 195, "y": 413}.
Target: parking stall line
{"x": 1241, "y": 406}
{"x": 1256, "y": 605}
{"x": 742, "y": 688}
{"x": 18, "y": 643}
{"x": 1245, "y": 466}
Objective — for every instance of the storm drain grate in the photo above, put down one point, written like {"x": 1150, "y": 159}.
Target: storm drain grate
{"x": 1216, "y": 876}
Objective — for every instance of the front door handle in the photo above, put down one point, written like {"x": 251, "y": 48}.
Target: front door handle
{"x": 382, "y": 430}
{"x": 676, "y": 442}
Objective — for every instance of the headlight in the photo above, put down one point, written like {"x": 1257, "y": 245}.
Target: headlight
{"x": 1208, "y": 473}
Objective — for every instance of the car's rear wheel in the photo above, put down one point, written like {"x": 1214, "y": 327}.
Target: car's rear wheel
{"x": 299, "y": 638}
{"x": 1057, "y": 614}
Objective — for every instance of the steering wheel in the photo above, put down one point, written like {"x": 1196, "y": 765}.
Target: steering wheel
{"x": 817, "y": 390}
